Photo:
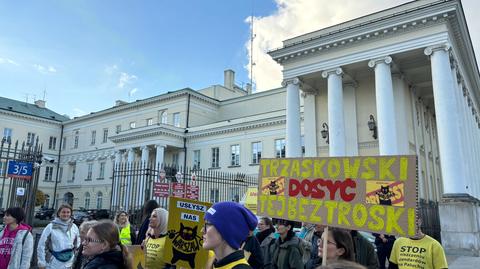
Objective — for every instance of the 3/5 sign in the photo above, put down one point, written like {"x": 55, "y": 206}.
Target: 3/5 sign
{"x": 21, "y": 170}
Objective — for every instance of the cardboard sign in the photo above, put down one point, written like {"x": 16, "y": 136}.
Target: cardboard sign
{"x": 161, "y": 190}
{"x": 376, "y": 194}
{"x": 183, "y": 246}
{"x": 138, "y": 256}
{"x": 250, "y": 200}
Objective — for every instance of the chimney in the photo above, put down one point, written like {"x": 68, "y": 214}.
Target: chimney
{"x": 229, "y": 79}
{"x": 40, "y": 103}
{"x": 249, "y": 88}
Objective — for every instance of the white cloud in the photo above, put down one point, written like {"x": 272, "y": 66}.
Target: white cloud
{"x": 43, "y": 69}
{"x": 110, "y": 69}
{"x": 8, "y": 61}
{"x": 52, "y": 69}
{"x": 77, "y": 112}
{"x": 125, "y": 79}
{"x": 40, "y": 68}
{"x": 296, "y": 17}
{"x": 133, "y": 91}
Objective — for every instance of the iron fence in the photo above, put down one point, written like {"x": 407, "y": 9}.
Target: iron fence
{"x": 430, "y": 218}
{"x": 136, "y": 182}
{"x": 29, "y": 153}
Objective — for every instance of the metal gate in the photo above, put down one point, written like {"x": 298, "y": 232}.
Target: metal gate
{"x": 26, "y": 153}
{"x": 430, "y": 219}
{"x": 134, "y": 183}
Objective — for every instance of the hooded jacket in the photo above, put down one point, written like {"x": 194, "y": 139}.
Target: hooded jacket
{"x": 22, "y": 249}
{"x": 107, "y": 260}
{"x": 287, "y": 254}
{"x": 62, "y": 235}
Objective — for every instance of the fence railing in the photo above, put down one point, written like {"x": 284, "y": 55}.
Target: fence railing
{"x": 136, "y": 182}
{"x": 430, "y": 215}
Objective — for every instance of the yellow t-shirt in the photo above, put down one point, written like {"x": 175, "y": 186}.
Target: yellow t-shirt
{"x": 155, "y": 250}
{"x": 424, "y": 253}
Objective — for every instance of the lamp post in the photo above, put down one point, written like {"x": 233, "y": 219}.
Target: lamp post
{"x": 372, "y": 126}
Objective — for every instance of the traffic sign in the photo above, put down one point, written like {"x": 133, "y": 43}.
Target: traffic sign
{"x": 20, "y": 191}
{"x": 22, "y": 170}
{"x": 178, "y": 176}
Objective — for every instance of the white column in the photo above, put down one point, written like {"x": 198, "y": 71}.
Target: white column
{"x": 293, "y": 139}
{"x": 387, "y": 128}
{"x": 116, "y": 181}
{"x": 336, "y": 124}
{"x": 160, "y": 154}
{"x": 416, "y": 129}
{"x": 400, "y": 92}
{"x": 145, "y": 154}
{"x": 143, "y": 180}
{"x": 129, "y": 185}
{"x": 350, "y": 118}
{"x": 181, "y": 158}
{"x": 310, "y": 124}
{"x": 447, "y": 120}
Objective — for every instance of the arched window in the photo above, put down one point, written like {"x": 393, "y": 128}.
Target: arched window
{"x": 99, "y": 200}
{"x": 68, "y": 198}
{"x": 164, "y": 117}
{"x": 87, "y": 200}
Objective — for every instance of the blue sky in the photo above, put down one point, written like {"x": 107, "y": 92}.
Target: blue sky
{"x": 87, "y": 54}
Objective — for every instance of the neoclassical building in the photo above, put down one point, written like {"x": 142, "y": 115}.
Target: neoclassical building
{"x": 400, "y": 81}
{"x": 410, "y": 71}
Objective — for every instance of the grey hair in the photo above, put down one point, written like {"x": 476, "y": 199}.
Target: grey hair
{"x": 86, "y": 225}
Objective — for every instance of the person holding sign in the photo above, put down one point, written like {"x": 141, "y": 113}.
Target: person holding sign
{"x": 155, "y": 241}
{"x": 227, "y": 225}
{"x": 339, "y": 246}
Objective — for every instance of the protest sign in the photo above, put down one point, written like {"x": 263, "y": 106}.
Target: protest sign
{"x": 138, "y": 256}
{"x": 183, "y": 246}
{"x": 376, "y": 194}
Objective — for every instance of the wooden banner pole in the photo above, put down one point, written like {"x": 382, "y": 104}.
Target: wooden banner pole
{"x": 325, "y": 246}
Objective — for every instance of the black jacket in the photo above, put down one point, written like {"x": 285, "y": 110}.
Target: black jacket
{"x": 235, "y": 256}
{"x": 142, "y": 232}
{"x": 108, "y": 260}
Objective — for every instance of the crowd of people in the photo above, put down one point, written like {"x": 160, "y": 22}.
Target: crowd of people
{"x": 234, "y": 237}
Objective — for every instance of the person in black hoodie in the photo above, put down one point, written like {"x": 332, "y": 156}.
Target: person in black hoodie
{"x": 103, "y": 245}
{"x": 266, "y": 238}
{"x": 148, "y": 208}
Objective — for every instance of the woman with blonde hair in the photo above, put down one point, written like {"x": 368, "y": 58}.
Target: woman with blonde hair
{"x": 102, "y": 245}
{"x": 155, "y": 240}
{"x": 127, "y": 234}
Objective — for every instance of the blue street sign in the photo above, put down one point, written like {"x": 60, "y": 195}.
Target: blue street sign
{"x": 22, "y": 170}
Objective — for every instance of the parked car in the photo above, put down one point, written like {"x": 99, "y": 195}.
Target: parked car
{"x": 80, "y": 216}
{"x": 98, "y": 214}
{"x": 45, "y": 213}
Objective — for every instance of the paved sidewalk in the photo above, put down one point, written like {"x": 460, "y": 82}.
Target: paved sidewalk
{"x": 463, "y": 262}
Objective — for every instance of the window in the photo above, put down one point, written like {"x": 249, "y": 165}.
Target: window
{"x": 73, "y": 169}
{"x": 280, "y": 148}
{"x": 94, "y": 137}
{"x": 118, "y": 129}
{"x": 75, "y": 143}
{"x": 30, "y": 139}
{"x": 52, "y": 143}
{"x": 87, "y": 200}
{"x": 164, "y": 117}
{"x": 64, "y": 143}
{"x": 105, "y": 135}
{"x": 235, "y": 155}
{"x": 196, "y": 159}
{"x": 214, "y": 196}
{"x": 215, "y": 157}
{"x": 175, "y": 158}
{"x": 176, "y": 119}
{"x": 48, "y": 173}
{"x": 99, "y": 200}
{"x": 89, "y": 171}
{"x": 256, "y": 152}
{"x": 60, "y": 174}
{"x": 149, "y": 122}
{"x": 7, "y": 135}
{"x": 101, "y": 174}
{"x": 132, "y": 125}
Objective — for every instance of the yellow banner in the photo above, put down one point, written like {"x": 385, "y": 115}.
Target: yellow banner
{"x": 376, "y": 194}
{"x": 138, "y": 256}
{"x": 184, "y": 243}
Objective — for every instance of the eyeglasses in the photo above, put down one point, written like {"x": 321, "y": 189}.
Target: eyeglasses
{"x": 320, "y": 242}
{"x": 89, "y": 240}
{"x": 205, "y": 226}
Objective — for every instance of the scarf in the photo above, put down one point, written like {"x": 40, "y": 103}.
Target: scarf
{"x": 264, "y": 234}
{"x": 57, "y": 223}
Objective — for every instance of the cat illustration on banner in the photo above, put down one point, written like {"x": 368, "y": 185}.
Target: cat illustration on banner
{"x": 185, "y": 244}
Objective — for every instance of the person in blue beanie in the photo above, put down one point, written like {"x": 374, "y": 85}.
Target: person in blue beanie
{"x": 227, "y": 225}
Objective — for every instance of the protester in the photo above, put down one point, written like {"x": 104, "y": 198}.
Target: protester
{"x": 16, "y": 241}
{"x": 149, "y": 206}
{"x": 127, "y": 233}
{"x": 253, "y": 252}
{"x": 364, "y": 251}
{"x": 419, "y": 251}
{"x": 102, "y": 244}
{"x": 266, "y": 239}
{"x": 384, "y": 244}
{"x": 342, "y": 264}
{"x": 59, "y": 240}
{"x": 155, "y": 241}
{"x": 314, "y": 258}
{"x": 81, "y": 259}
{"x": 287, "y": 252}
{"x": 227, "y": 225}
{"x": 339, "y": 246}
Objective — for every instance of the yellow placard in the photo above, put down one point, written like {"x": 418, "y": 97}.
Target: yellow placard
{"x": 251, "y": 199}
{"x": 138, "y": 256}
{"x": 373, "y": 193}
{"x": 184, "y": 242}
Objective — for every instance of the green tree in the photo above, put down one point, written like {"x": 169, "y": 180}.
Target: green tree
{"x": 39, "y": 198}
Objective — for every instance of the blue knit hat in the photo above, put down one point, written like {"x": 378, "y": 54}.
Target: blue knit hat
{"x": 233, "y": 221}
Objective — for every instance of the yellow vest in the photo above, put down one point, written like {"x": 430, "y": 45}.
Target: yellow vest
{"x": 125, "y": 236}
{"x": 233, "y": 264}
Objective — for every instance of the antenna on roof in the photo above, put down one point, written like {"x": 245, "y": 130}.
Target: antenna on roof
{"x": 252, "y": 36}
{"x": 26, "y": 97}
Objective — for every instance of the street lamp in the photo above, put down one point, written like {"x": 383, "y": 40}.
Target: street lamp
{"x": 325, "y": 134}
{"x": 372, "y": 126}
